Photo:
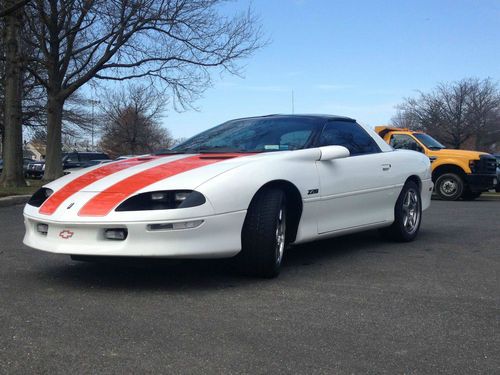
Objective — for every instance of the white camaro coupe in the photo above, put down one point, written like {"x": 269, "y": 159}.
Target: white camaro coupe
{"x": 247, "y": 188}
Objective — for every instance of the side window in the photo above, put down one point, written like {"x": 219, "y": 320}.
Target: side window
{"x": 404, "y": 141}
{"x": 350, "y": 135}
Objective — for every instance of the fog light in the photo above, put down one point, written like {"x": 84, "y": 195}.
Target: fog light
{"x": 117, "y": 234}
{"x": 42, "y": 229}
{"x": 175, "y": 226}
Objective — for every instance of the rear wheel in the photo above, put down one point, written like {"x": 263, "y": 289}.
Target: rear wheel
{"x": 263, "y": 237}
{"x": 407, "y": 215}
{"x": 449, "y": 186}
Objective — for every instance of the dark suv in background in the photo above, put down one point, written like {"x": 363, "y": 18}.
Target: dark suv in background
{"x": 69, "y": 160}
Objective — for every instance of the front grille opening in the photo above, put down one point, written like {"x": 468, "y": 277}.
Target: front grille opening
{"x": 116, "y": 234}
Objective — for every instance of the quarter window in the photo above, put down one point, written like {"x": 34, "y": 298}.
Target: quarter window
{"x": 350, "y": 135}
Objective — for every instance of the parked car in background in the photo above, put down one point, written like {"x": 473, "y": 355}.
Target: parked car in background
{"x": 91, "y": 163}
{"x": 26, "y": 162}
{"x": 69, "y": 160}
{"x": 247, "y": 188}
{"x": 456, "y": 173}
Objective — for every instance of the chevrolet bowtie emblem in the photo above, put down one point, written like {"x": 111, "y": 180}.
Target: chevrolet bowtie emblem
{"x": 66, "y": 234}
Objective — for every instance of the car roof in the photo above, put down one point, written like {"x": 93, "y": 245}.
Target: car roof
{"x": 309, "y": 116}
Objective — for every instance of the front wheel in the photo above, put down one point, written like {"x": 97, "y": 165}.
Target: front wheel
{"x": 449, "y": 186}
{"x": 407, "y": 215}
{"x": 263, "y": 238}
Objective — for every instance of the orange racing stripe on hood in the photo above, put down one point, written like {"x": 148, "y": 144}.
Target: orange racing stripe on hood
{"x": 56, "y": 199}
{"x": 104, "y": 202}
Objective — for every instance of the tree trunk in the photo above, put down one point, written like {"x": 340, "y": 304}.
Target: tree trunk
{"x": 13, "y": 175}
{"x": 53, "y": 157}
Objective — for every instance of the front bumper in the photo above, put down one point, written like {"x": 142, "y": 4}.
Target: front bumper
{"x": 218, "y": 236}
{"x": 481, "y": 182}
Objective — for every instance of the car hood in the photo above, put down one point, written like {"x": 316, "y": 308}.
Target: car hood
{"x": 464, "y": 154}
{"x": 188, "y": 170}
{"x": 97, "y": 191}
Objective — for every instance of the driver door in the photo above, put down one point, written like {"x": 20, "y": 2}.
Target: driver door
{"x": 357, "y": 190}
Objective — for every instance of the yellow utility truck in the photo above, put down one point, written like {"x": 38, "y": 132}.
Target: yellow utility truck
{"x": 456, "y": 173}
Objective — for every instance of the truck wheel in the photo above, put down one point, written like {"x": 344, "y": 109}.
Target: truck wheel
{"x": 449, "y": 186}
{"x": 407, "y": 215}
{"x": 470, "y": 195}
{"x": 263, "y": 238}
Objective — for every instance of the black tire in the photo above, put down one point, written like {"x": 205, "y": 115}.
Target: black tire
{"x": 400, "y": 230}
{"x": 83, "y": 258}
{"x": 470, "y": 196}
{"x": 262, "y": 252}
{"x": 449, "y": 186}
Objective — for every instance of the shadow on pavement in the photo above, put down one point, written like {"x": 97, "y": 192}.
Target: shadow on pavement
{"x": 165, "y": 274}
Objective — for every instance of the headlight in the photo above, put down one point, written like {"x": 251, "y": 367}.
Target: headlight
{"x": 163, "y": 200}
{"x": 474, "y": 165}
{"x": 40, "y": 196}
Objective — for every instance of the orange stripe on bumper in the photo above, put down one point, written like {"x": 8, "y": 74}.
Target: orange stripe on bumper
{"x": 56, "y": 199}
{"x": 104, "y": 202}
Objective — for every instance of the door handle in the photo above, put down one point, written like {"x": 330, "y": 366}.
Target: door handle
{"x": 386, "y": 167}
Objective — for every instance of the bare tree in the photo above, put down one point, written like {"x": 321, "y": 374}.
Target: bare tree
{"x": 484, "y": 112}
{"x": 454, "y": 112}
{"x": 131, "y": 122}
{"x": 12, "y": 174}
{"x": 173, "y": 42}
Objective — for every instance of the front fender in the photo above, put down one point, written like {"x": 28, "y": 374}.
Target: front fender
{"x": 233, "y": 190}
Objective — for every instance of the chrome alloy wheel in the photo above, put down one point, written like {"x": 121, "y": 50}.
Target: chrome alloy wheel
{"x": 411, "y": 211}
{"x": 280, "y": 235}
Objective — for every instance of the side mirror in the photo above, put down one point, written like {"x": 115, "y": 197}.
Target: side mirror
{"x": 333, "y": 152}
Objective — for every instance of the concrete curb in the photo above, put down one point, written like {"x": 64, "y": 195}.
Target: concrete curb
{"x": 490, "y": 196}
{"x": 13, "y": 200}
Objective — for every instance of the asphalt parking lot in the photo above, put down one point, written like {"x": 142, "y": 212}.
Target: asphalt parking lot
{"x": 351, "y": 305}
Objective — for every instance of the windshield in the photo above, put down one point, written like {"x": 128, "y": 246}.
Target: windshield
{"x": 254, "y": 135}
{"x": 428, "y": 141}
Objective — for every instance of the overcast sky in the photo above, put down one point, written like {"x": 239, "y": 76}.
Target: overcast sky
{"x": 353, "y": 58}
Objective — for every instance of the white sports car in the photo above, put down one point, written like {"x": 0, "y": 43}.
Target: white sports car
{"x": 246, "y": 188}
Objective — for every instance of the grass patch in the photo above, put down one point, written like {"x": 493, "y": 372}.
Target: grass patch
{"x": 34, "y": 185}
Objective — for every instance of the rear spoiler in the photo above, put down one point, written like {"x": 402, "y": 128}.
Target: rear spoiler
{"x": 383, "y": 130}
